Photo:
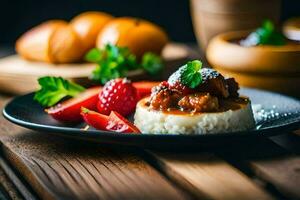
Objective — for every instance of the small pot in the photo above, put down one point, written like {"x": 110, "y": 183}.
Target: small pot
{"x": 275, "y": 68}
{"x": 212, "y": 17}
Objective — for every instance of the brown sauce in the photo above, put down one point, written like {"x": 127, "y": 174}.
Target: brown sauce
{"x": 225, "y": 105}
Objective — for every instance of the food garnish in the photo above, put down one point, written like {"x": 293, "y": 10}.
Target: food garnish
{"x": 264, "y": 35}
{"x": 118, "y": 123}
{"x": 94, "y": 119}
{"x": 69, "y": 110}
{"x": 186, "y": 78}
{"x": 52, "y": 86}
{"x": 113, "y": 122}
{"x": 54, "y": 89}
{"x": 118, "y": 95}
{"x": 114, "y": 62}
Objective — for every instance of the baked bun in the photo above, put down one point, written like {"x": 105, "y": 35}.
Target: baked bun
{"x": 34, "y": 44}
{"x": 52, "y": 41}
{"x": 138, "y": 35}
{"x": 87, "y": 26}
{"x": 57, "y": 41}
{"x": 65, "y": 46}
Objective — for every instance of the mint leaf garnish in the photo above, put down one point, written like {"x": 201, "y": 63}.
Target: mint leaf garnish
{"x": 191, "y": 75}
{"x": 188, "y": 75}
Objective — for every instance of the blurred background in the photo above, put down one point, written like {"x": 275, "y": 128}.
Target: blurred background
{"x": 191, "y": 23}
{"x": 18, "y": 16}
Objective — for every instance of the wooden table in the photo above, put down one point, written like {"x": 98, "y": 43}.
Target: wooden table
{"x": 36, "y": 165}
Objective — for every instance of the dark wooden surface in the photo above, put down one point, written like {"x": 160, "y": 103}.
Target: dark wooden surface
{"x": 36, "y": 165}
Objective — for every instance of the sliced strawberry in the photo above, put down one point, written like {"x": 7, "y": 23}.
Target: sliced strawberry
{"x": 118, "y": 123}
{"x": 69, "y": 110}
{"x": 144, "y": 87}
{"x": 113, "y": 122}
{"x": 94, "y": 119}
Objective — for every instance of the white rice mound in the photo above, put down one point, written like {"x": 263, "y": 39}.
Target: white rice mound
{"x": 150, "y": 121}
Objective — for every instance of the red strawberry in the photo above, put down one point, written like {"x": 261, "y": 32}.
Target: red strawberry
{"x": 113, "y": 122}
{"x": 118, "y": 123}
{"x": 69, "y": 110}
{"x": 94, "y": 119}
{"x": 118, "y": 95}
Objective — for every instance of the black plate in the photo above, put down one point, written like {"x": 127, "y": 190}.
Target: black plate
{"x": 278, "y": 113}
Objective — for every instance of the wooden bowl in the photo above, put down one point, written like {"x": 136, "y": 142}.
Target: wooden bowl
{"x": 212, "y": 17}
{"x": 274, "y": 68}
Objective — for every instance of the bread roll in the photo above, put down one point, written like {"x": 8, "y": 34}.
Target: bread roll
{"x": 56, "y": 41}
{"x": 34, "y": 44}
{"x": 65, "y": 46}
{"x": 138, "y": 35}
{"x": 87, "y": 25}
{"x": 52, "y": 41}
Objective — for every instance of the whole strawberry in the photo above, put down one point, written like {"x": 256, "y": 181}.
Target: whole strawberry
{"x": 118, "y": 95}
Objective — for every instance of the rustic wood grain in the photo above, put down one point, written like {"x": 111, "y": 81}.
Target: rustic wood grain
{"x": 209, "y": 177}
{"x": 15, "y": 187}
{"x": 268, "y": 161}
{"x": 3, "y": 194}
{"x": 60, "y": 168}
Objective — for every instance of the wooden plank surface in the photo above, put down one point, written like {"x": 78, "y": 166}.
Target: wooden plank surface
{"x": 63, "y": 169}
{"x": 12, "y": 183}
{"x": 59, "y": 168}
{"x": 269, "y": 162}
{"x": 209, "y": 177}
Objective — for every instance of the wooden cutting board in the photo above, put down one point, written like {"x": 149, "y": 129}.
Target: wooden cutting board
{"x": 19, "y": 76}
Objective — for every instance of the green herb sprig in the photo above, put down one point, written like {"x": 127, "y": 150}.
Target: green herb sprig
{"x": 189, "y": 74}
{"x": 264, "y": 35}
{"x": 54, "y": 89}
{"x": 114, "y": 62}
